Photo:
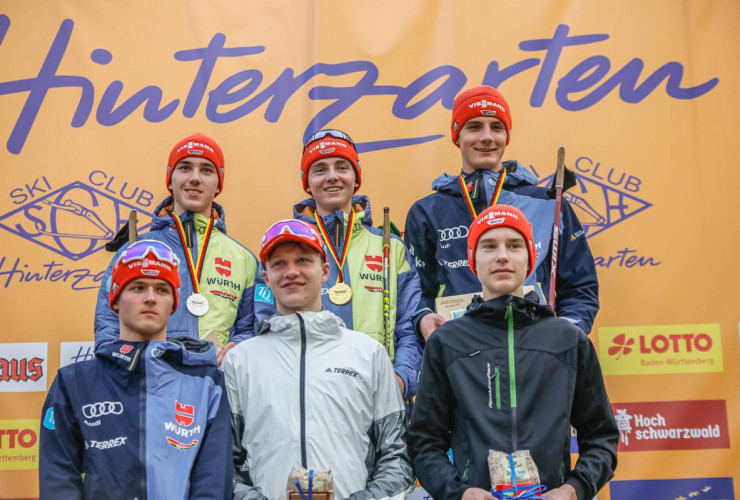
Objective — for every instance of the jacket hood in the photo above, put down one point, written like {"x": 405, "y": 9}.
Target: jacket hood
{"x": 182, "y": 350}
{"x": 162, "y": 215}
{"x": 495, "y": 310}
{"x": 516, "y": 175}
{"x": 306, "y": 209}
{"x": 319, "y": 325}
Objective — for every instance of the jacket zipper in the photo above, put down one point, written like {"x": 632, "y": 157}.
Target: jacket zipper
{"x": 142, "y": 417}
{"x": 304, "y": 460}
{"x": 512, "y": 379}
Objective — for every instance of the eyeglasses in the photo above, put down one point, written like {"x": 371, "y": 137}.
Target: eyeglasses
{"x": 140, "y": 249}
{"x": 337, "y": 134}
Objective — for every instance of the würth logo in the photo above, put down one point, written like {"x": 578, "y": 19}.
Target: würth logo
{"x": 374, "y": 262}
{"x": 223, "y": 267}
{"x": 184, "y": 414}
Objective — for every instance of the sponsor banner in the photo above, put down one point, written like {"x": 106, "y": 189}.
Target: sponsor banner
{"x": 23, "y": 367}
{"x": 650, "y": 350}
{"x": 709, "y": 488}
{"x": 74, "y": 352}
{"x": 672, "y": 425}
{"x": 19, "y": 444}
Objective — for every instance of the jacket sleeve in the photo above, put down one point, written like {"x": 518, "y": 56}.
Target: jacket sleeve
{"x": 212, "y": 472}
{"x": 596, "y": 429}
{"x": 420, "y": 237}
{"x": 408, "y": 351}
{"x": 431, "y": 423}
{"x": 106, "y": 320}
{"x": 577, "y": 287}
{"x": 243, "y": 488}
{"x": 244, "y": 324}
{"x": 60, "y": 448}
{"x": 390, "y": 475}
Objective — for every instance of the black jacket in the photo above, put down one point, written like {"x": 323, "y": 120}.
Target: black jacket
{"x": 510, "y": 376}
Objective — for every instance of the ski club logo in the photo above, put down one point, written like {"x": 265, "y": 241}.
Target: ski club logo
{"x": 74, "y": 221}
{"x": 672, "y": 425}
{"x": 706, "y": 488}
{"x": 223, "y": 267}
{"x": 602, "y": 198}
{"x": 184, "y": 414}
{"x": 23, "y": 367}
{"x": 375, "y": 264}
{"x": 650, "y": 350}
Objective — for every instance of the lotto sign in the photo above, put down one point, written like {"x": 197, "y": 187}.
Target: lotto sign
{"x": 23, "y": 367}
{"x": 672, "y": 425}
{"x": 650, "y": 350}
{"x": 19, "y": 444}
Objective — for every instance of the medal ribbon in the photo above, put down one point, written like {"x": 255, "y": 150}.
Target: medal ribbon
{"x": 195, "y": 269}
{"x": 325, "y": 235}
{"x": 494, "y": 198}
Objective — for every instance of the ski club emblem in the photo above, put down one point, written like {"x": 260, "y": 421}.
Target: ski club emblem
{"x": 223, "y": 267}
{"x": 184, "y": 414}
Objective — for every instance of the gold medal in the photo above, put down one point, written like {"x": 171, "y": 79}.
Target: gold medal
{"x": 340, "y": 294}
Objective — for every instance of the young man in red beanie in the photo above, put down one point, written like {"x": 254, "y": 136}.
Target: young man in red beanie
{"x": 331, "y": 175}
{"x": 218, "y": 273}
{"x": 437, "y": 225}
{"x": 306, "y": 391}
{"x": 509, "y": 376}
{"x": 148, "y": 417}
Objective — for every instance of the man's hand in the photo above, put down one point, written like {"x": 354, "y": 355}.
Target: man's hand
{"x": 430, "y": 322}
{"x": 477, "y": 494}
{"x": 401, "y": 385}
{"x": 565, "y": 492}
{"x": 223, "y": 352}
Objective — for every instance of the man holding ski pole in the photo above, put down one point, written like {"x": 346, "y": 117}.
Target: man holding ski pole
{"x": 437, "y": 225}
{"x": 355, "y": 289}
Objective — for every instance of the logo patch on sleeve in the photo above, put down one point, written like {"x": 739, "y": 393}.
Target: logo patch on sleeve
{"x": 262, "y": 293}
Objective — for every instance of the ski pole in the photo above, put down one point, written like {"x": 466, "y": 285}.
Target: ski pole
{"x": 559, "y": 174}
{"x": 386, "y": 277}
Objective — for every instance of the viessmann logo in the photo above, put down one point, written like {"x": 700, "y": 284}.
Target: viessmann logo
{"x": 645, "y": 350}
{"x": 672, "y": 425}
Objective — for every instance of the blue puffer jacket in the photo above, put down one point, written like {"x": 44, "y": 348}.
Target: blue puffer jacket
{"x": 227, "y": 281}
{"x": 363, "y": 272}
{"x": 141, "y": 420}
{"x": 437, "y": 230}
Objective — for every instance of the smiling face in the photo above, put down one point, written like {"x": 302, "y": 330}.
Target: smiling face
{"x": 295, "y": 272}
{"x": 194, "y": 185}
{"x": 482, "y": 143}
{"x": 331, "y": 182}
{"x": 144, "y": 306}
{"x": 501, "y": 261}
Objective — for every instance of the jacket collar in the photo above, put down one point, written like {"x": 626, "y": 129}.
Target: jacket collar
{"x": 182, "y": 351}
{"x": 495, "y": 310}
{"x": 306, "y": 211}
{"x": 323, "y": 325}
{"x": 162, "y": 215}
{"x": 516, "y": 175}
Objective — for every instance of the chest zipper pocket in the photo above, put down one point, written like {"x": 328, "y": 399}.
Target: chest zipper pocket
{"x": 494, "y": 386}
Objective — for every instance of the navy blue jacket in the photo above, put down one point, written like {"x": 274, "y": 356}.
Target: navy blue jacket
{"x": 141, "y": 420}
{"x": 437, "y": 230}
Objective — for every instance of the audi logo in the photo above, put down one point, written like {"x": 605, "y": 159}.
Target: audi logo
{"x": 453, "y": 233}
{"x": 101, "y": 408}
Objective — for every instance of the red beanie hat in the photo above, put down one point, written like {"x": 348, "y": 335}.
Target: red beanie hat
{"x": 145, "y": 259}
{"x": 199, "y": 145}
{"x": 500, "y": 216}
{"x": 480, "y": 101}
{"x": 325, "y": 144}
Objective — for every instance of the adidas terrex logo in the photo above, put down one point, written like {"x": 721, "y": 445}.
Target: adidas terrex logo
{"x": 343, "y": 371}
